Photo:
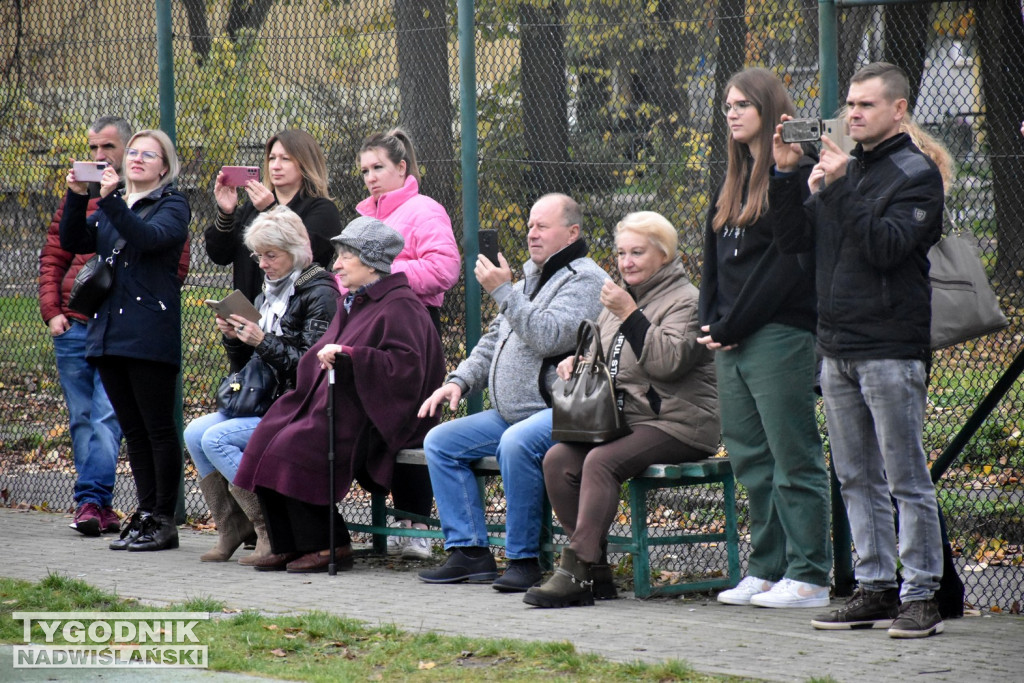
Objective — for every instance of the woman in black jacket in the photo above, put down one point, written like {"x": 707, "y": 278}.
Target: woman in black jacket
{"x": 299, "y": 300}
{"x": 134, "y": 339}
{"x": 757, "y": 308}
{"x": 294, "y": 175}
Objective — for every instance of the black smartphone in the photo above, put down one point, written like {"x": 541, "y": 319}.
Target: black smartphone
{"x": 489, "y": 245}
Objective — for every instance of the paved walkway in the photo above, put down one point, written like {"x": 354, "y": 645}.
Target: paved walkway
{"x": 773, "y": 645}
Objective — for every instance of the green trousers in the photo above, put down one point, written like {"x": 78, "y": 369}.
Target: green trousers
{"x": 766, "y": 393}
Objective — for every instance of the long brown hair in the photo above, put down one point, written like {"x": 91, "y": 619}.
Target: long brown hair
{"x": 305, "y": 150}
{"x": 764, "y": 89}
{"x": 397, "y": 146}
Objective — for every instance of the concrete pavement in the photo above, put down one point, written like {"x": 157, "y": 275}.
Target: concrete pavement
{"x": 773, "y": 645}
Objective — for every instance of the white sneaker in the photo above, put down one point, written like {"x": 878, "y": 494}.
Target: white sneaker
{"x": 790, "y": 593}
{"x": 417, "y": 549}
{"x": 747, "y": 588}
{"x": 397, "y": 544}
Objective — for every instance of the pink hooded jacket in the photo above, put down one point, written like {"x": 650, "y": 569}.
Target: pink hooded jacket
{"x": 430, "y": 258}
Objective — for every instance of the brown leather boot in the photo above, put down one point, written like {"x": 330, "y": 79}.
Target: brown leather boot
{"x": 250, "y": 504}
{"x": 232, "y": 525}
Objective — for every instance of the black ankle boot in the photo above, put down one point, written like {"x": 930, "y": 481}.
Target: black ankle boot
{"x": 158, "y": 533}
{"x": 604, "y": 581}
{"x": 130, "y": 530}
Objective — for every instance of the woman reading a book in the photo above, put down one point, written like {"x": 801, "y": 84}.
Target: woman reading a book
{"x": 298, "y": 301}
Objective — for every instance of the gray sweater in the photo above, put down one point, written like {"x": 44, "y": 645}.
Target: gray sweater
{"x": 531, "y": 334}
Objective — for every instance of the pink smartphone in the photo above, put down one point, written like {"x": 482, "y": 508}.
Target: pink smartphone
{"x": 238, "y": 176}
{"x": 89, "y": 171}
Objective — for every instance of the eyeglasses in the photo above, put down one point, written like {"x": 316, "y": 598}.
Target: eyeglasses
{"x": 132, "y": 153}
{"x": 740, "y": 106}
{"x": 269, "y": 256}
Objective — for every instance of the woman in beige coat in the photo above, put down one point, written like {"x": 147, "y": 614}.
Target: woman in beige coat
{"x": 665, "y": 383}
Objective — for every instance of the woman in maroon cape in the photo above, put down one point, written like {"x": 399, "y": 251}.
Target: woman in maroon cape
{"x": 390, "y": 360}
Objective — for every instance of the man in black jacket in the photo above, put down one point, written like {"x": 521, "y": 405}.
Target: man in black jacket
{"x": 871, "y": 220}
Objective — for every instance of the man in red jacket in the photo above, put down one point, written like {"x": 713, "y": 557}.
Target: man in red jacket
{"x": 95, "y": 432}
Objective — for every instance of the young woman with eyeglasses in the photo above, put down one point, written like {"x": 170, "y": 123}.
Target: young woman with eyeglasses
{"x": 134, "y": 339}
{"x": 757, "y": 311}
{"x": 294, "y": 175}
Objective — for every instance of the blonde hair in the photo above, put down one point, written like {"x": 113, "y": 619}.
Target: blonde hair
{"x": 280, "y": 228}
{"x": 933, "y": 149}
{"x": 171, "y": 165}
{"x": 655, "y": 227}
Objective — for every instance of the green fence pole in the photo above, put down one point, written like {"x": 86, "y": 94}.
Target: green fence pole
{"x": 828, "y": 60}
{"x": 470, "y": 194}
{"x": 842, "y": 539}
{"x": 165, "y": 69}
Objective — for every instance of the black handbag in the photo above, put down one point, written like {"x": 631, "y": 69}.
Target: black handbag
{"x": 248, "y": 392}
{"x": 584, "y": 407}
{"x": 93, "y": 282}
{"x": 963, "y": 303}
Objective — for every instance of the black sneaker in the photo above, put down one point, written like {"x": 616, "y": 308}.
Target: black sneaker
{"x": 917, "y": 619}
{"x": 461, "y": 567}
{"x": 521, "y": 576}
{"x": 864, "y": 609}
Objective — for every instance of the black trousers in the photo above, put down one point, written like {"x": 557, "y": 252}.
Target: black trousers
{"x": 142, "y": 393}
{"x": 411, "y": 490}
{"x": 294, "y": 526}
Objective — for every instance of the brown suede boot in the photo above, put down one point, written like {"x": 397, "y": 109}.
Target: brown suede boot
{"x": 250, "y": 504}
{"x": 569, "y": 586}
{"x": 233, "y": 527}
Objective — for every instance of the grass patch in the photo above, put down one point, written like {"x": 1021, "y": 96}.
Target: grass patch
{"x": 322, "y": 647}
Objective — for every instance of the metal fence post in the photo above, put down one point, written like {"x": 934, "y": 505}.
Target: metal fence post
{"x": 470, "y": 195}
{"x": 165, "y": 67}
{"x": 828, "y": 65}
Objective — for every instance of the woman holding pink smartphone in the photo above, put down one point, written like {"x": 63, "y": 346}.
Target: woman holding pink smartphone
{"x": 294, "y": 175}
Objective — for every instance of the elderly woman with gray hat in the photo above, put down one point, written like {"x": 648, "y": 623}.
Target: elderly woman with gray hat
{"x": 387, "y": 359}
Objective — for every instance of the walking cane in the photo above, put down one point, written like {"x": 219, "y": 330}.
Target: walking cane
{"x": 331, "y": 569}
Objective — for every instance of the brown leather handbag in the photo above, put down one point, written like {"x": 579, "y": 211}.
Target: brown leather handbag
{"x": 585, "y": 408}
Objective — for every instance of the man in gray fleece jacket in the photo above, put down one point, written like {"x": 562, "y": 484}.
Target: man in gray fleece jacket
{"x": 535, "y": 328}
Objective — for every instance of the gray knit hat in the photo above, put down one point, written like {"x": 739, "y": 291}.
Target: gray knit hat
{"x": 376, "y": 243}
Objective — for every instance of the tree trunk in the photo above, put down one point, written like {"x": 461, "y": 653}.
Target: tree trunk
{"x": 198, "y": 29}
{"x": 545, "y": 99}
{"x": 851, "y": 33}
{"x": 732, "y": 49}
{"x": 906, "y": 44}
{"x": 1001, "y": 50}
{"x": 247, "y": 14}
{"x": 427, "y": 112}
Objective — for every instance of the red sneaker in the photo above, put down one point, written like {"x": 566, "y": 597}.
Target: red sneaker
{"x": 87, "y": 519}
{"x": 109, "y": 521}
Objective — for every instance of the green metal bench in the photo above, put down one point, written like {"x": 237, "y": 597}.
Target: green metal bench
{"x": 638, "y": 544}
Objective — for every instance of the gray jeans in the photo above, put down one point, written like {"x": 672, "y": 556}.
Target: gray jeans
{"x": 875, "y": 412}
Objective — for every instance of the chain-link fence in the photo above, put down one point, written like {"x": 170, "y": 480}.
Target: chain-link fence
{"x": 614, "y": 102}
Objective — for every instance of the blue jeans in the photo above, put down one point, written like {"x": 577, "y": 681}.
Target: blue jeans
{"x": 451, "y": 447}
{"x": 875, "y": 412}
{"x": 216, "y": 442}
{"x": 95, "y": 432}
